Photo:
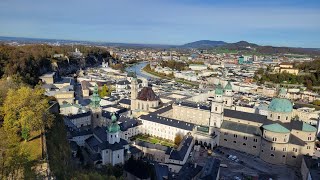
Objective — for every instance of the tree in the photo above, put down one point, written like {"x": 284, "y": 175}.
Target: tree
{"x": 178, "y": 139}
{"x": 104, "y": 91}
{"x": 26, "y": 108}
{"x": 316, "y": 102}
{"x": 25, "y": 133}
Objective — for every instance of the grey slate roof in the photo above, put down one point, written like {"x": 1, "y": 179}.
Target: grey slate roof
{"x": 93, "y": 143}
{"x": 100, "y": 133}
{"x": 126, "y": 123}
{"x": 211, "y": 169}
{"x": 80, "y": 133}
{"x": 239, "y": 127}
{"x": 194, "y": 105}
{"x": 113, "y": 147}
{"x": 124, "y": 82}
{"x": 168, "y": 121}
{"x": 125, "y": 101}
{"x": 187, "y": 172}
{"x": 76, "y": 116}
{"x": 134, "y": 150}
{"x": 181, "y": 152}
{"x": 245, "y": 116}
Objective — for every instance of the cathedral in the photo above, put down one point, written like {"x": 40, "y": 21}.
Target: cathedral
{"x": 275, "y": 138}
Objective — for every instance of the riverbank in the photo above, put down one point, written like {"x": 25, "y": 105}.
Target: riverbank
{"x": 137, "y": 68}
{"x": 149, "y": 71}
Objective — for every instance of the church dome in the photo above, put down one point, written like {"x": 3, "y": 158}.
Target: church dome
{"x": 113, "y": 128}
{"x": 280, "y": 105}
{"x": 219, "y": 90}
{"x": 147, "y": 94}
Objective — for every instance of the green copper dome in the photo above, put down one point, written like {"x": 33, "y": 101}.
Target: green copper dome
{"x": 219, "y": 90}
{"x": 95, "y": 99}
{"x": 280, "y": 105}
{"x": 228, "y": 86}
{"x": 113, "y": 127}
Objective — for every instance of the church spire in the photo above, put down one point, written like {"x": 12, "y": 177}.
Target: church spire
{"x": 95, "y": 99}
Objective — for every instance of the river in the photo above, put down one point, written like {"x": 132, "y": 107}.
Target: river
{"x": 138, "y": 69}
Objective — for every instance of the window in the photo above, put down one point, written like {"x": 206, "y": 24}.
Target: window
{"x": 273, "y": 148}
{"x": 216, "y": 108}
{"x": 287, "y": 118}
{"x": 284, "y": 149}
{"x": 308, "y": 147}
{"x": 272, "y": 155}
{"x": 278, "y": 117}
{"x": 244, "y": 137}
{"x": 294, "y": 157}
{"x": 225, "y": 140}
{"x": 244, "y": 144}
{"x": 225, "y": 133}
{"x": 283, "y": 155}
{"x": 118, "y": 156}
{"x": 97, "y": 116}
{"x": 295, "y": 150}
{"x": 270, "y": 115}
{"x": 261, "y": 150}
{"x": 255, "y": 147}
{"x": 235, "y": 135}
{"x": 274, "y": 139}
{"x": 234, "y": 141}
{"x": 255, "y": 140}
{"x": 111, "y": 136}
{"x": 309, "y": 138}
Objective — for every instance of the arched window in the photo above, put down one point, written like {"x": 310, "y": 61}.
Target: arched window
{"x": 147, "y": 107}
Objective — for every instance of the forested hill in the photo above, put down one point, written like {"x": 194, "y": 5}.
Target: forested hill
{"x": 28, "y": 62}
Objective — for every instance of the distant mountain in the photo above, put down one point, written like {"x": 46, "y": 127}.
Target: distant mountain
{"x": 244, "y": 46}
{"x": 203, "y": 44}
{"x": 241, "y": 46}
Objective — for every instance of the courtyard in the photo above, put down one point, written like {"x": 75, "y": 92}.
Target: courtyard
{"x": 153, "y": 140}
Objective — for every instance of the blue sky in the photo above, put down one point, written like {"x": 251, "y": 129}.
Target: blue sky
{"x": 270, "y": 22}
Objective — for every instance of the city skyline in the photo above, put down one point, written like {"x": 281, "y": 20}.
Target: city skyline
{"x": 284, "y": 23}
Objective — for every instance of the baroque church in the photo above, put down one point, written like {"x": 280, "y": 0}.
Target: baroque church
{"x": 275, "y": 138}
{"x": 144, "y": 100}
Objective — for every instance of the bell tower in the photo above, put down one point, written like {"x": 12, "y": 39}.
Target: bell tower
{"x": 217, "y": 108}
{"x": 134, "y": 92}
{"x": 113, "y": 130}
{"x": 228, "y": 95}
{"x": 95, "y": 108}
